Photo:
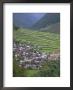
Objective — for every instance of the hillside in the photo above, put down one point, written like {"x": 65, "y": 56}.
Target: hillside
{"x": 53, "y": 28}
{"x": 36, "y": 44}
{"x": 48, "y": 42}
{"x": 26, "y": 20}
{"x": 46, "y": 20}
{"x": 35, "y": 20}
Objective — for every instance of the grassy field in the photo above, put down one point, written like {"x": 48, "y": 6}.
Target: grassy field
{"x": 47, "y": 42}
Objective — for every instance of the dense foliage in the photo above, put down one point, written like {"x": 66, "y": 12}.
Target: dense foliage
{"x": 15, "y": 27}
{"x": 49, "y": 69}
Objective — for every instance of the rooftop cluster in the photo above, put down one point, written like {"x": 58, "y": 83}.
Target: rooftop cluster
{"x": 29, "y": 56}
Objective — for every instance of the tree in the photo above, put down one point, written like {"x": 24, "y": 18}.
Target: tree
{"x": 18, "y": 71}
{"x": 15, "y": 27}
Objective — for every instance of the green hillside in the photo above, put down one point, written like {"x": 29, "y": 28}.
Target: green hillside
{"x": 49, "y": 69}
{"x": 53, "y": 28}
{"x": 46, "y": 41}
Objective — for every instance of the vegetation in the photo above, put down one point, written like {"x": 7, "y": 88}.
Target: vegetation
{"x": 50, "y": 69}
{"x": 15, "y": 27}
{"x": 48, "y": 42}
{"x": 17, "y": 71}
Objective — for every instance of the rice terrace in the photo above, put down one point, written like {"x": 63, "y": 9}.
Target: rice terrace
{"x": 36, "y": 45}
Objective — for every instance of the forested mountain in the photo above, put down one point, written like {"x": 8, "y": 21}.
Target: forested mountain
{"x": 35, "y": 20}
{"x": 46, "y": 20}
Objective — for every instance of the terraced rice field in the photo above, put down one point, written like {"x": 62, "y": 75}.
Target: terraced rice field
{"x": 47, "y": 42}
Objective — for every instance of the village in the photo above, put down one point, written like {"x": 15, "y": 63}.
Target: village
{"x": 29, "y": 57}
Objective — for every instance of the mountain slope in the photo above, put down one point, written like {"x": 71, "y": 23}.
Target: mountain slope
{"x": 53, "y": 28}
{"x": 26, "y": 20}
{"x": 46, "y": 20}
{"x": 47, "y": 41}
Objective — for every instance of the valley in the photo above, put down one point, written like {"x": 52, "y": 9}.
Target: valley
{"x": 36, "y": 44}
